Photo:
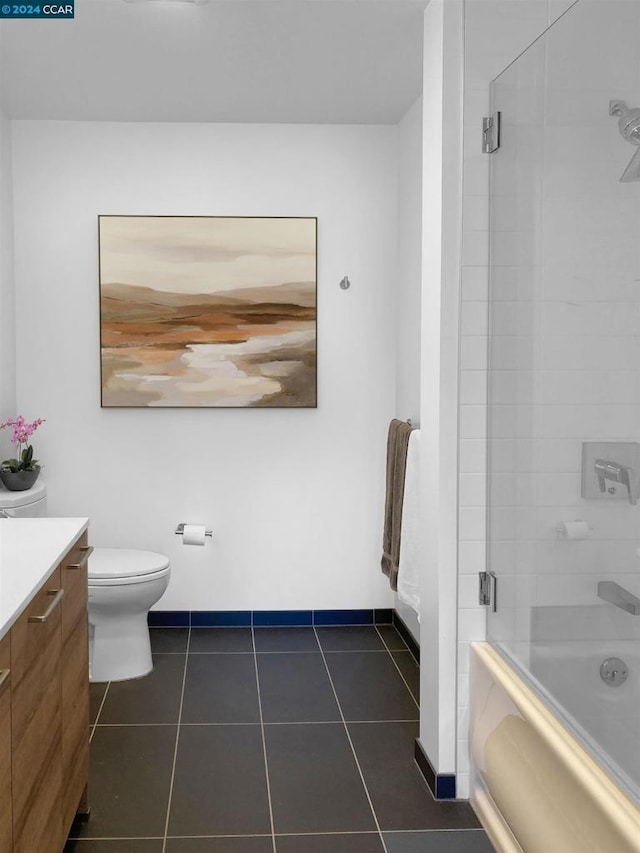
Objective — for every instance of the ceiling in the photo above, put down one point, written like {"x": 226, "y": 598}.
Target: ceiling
{"x": 300, "y": 61}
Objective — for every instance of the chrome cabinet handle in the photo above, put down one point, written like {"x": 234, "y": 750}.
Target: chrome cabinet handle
{"x": 4, "y": 674}
{"x": 88, "y": 551}
{"x": 58, "y": 595}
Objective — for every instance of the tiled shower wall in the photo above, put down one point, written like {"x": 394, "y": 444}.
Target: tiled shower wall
{"x": 496, "y": 31}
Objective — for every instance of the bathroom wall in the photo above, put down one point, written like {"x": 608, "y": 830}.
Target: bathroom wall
{"x": 408, "y": 274}
{"x": 295, "y": 497}
{"x": 495, "y": 33}
{"x": 408, "y": 287}
{"x": 441, "y": 209}
{"x": 7, "y": 307}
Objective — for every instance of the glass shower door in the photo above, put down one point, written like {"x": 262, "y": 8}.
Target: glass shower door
{"x": 564, "y": 369}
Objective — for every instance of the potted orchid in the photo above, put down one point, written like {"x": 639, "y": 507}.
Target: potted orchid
{"x": 20, "y": 473}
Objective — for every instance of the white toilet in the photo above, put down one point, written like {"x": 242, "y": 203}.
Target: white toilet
{"x": 123, "y": 586}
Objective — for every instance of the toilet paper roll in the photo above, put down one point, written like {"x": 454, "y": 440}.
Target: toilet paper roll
{"x": 194, "y": 534}
{"x": 574, "y": 529}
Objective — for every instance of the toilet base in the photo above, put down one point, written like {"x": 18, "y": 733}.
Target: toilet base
{"x": 119, "y": 648}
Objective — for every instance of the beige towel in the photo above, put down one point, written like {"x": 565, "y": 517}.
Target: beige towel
{"x": 397, "y": 444}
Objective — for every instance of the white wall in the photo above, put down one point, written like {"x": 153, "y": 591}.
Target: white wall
{"x": 7, "y": 307}
{"x": 441, "y": 210}
{"x": 295, "y": 497}
{"x": 408, "y": 274}
{"x": 408, "y": 287}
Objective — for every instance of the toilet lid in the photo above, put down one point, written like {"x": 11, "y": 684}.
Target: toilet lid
{"x": 123, "y": 563}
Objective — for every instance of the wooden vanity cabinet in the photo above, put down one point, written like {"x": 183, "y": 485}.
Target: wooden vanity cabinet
{"x": 36, "y": 721}
{"x": 44, "y": 717}
{"x": 6, "y": 819}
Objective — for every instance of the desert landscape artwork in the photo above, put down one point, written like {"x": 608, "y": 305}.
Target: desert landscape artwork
{"x": 208, "y": 311}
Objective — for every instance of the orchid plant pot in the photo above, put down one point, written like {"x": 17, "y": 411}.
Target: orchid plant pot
{"x": 19, "y": 481}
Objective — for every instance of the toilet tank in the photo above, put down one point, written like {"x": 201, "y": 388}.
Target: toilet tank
{"x": 30, "y": 503}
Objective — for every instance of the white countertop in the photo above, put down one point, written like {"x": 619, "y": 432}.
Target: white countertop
{"x": 30, "y": 550}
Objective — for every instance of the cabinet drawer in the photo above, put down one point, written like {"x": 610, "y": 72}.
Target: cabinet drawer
{"x": 74, "y": 580}
{"x": 36, "y": 722}
{"x": 75, "y": 680}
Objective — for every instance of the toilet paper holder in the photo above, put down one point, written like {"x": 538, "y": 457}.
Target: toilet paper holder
{"x": 179, "y": 531}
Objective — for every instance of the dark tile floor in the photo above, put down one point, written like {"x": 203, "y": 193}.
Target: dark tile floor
{"x": 267, "y": 740}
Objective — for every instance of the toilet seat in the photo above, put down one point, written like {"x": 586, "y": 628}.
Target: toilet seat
{"x": 119, "y": 566}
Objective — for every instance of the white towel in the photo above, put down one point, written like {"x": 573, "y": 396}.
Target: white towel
{"x": 409, "y": 567}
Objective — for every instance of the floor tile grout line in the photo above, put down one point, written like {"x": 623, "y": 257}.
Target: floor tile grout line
{"x": 95, "y": 722}
{"x": 175, "y": 751}
{"x": 337, "y": 721}
{"x": 264, "y": 742}
{"x": 112, "y": 838}
{"x": 353, "y": 750}
{"x": 417, "y": 704}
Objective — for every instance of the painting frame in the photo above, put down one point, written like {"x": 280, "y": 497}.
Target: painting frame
{"x": 208, "y": 311}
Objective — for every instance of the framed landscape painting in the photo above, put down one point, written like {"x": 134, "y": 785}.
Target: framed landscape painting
{"x": 208, "y": 311}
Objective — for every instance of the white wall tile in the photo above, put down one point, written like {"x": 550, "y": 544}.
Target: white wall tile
{"x": 475, "y": 248}
{"x": 475, "y": 173}
{"x": 473, "y": 387}
{"x": 462, "y": 786}
{"x": 559, "y": 7}
{"x": 515, "y": 318}
{"x": 475, "y": 284}
{"x": 471, "y": 522}
{"x": 474, "y": 318}
{"x": 473, "y": 421}
{"x": 467, "y": 591}
{"x": 462, "y": 758}
{"x": 561, "y": 285}
{"x": 476, "y": 214}
{"x": 472, "y": 489}
{"x": 587, "y": 353}
{"x": 476, "y": 105}
{"x": 571, "y": 319}
{"x": 613, "y": 27}
{"x": 471, "y": 556}
{"x": 471, "y": 627}
{"x": 464, "y": 650}
{"x": 473, "y": 352}
{"x": 496, "y": 32}
{"x": 463, "y": 690}
{"x": 473, "y": 456}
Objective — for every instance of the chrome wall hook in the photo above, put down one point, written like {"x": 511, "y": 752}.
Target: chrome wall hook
{"x": 345, "y": 284}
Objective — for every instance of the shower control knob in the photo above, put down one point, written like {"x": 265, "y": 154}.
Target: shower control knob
{"x": 614, "y": 672}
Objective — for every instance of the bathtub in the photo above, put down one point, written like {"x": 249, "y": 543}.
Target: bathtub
{"x": 534, "y": 786}
{"x": 605, "y": 716}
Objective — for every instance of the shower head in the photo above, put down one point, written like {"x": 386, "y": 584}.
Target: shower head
{"x": 629, "y": 121}
{"x": 629, "y": 127}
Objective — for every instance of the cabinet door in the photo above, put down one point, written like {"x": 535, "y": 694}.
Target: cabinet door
{"x": 6, "y": 821}
{"x": 36, "y": 723}
{"x": 75, "y": 681}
